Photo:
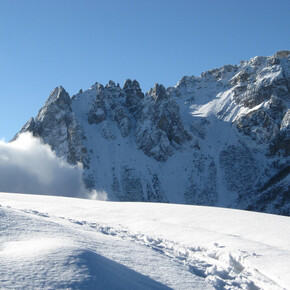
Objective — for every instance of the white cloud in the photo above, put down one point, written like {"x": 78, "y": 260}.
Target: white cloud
{"x": 29, "y": 166}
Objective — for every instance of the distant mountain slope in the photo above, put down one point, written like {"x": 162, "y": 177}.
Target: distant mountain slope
{"x": 218, "y": 139}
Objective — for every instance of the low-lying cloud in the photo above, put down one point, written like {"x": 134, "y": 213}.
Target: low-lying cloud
{"x": 29, "y": 166}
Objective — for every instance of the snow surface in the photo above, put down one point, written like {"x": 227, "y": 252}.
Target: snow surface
{"x": 59, "y": 242}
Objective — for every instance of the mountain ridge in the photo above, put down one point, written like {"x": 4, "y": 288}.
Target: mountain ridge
{"x": 216, "y": 139}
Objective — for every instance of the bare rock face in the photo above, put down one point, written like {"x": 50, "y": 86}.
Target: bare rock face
{"x": 221, "y": 138}
{"x": 280, "y": 144}
{"x": 258, "y": 125}
{"x": 98, "y": 113}
{"x": 159, "y": 126}
{"x": 282, "y": 53}
{"x": 134, "y": 96}
{"x": 57, "y": 126}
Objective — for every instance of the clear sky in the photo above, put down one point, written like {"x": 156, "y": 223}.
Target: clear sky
{"x": 74, "y": 43}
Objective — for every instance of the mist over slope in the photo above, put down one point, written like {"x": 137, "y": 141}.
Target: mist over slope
{"x": 29, "y": 166}
{"x": 221, "y": 139}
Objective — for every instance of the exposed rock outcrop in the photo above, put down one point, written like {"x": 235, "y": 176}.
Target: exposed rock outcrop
{"x": 222, "y": 138}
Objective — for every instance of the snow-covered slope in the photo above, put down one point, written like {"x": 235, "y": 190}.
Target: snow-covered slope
{"x": 57, "y": 242}
{"x": 221, "y": 139}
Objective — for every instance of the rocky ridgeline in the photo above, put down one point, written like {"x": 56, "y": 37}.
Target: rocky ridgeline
{"x": 222, "y": 138}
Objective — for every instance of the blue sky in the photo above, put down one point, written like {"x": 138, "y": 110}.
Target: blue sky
{"x": 74, "y": 43}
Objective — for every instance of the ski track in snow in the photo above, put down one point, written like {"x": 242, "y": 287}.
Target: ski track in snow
{"x": 220, "y": 268}
{"x": 42, "y": 252}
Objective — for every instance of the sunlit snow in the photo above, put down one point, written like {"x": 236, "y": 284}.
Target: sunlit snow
{"x": 60, "y": 242}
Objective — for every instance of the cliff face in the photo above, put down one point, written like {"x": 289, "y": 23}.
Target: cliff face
{"x": 221, "y": 139}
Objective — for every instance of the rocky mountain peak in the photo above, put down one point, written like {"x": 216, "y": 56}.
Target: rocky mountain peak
{"x": 282, "y": 53}
{"x": 221, "y": 138}
{"x": 59, "y": 95}
{"x": 97, "y": 86}
{"x": 158, "y": 92}
{"x": 134, "y": 96}
{"x": 112, "y": 85}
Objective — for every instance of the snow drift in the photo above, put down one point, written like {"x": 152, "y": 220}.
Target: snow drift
{"x": 29, "y": 166}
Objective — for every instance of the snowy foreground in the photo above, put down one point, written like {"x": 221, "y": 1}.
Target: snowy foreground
{"x": 58, "y": 242}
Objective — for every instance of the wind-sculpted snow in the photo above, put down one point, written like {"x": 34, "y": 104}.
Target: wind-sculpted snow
{"x": 219, "y": 268}
{"x": 41, "y": 251}
{"x": 214, "y": 139}
{"x": 44, "y": 262}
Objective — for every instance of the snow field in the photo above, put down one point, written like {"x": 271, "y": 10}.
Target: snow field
{"x": 222, "y": 248}
{"x": 41, "y": 252}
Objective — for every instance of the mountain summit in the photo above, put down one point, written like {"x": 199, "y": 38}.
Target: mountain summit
{"x": 220, "y": 139}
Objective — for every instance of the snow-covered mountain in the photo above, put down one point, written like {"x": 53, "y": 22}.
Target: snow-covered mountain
{"x": 220, "y": 139}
